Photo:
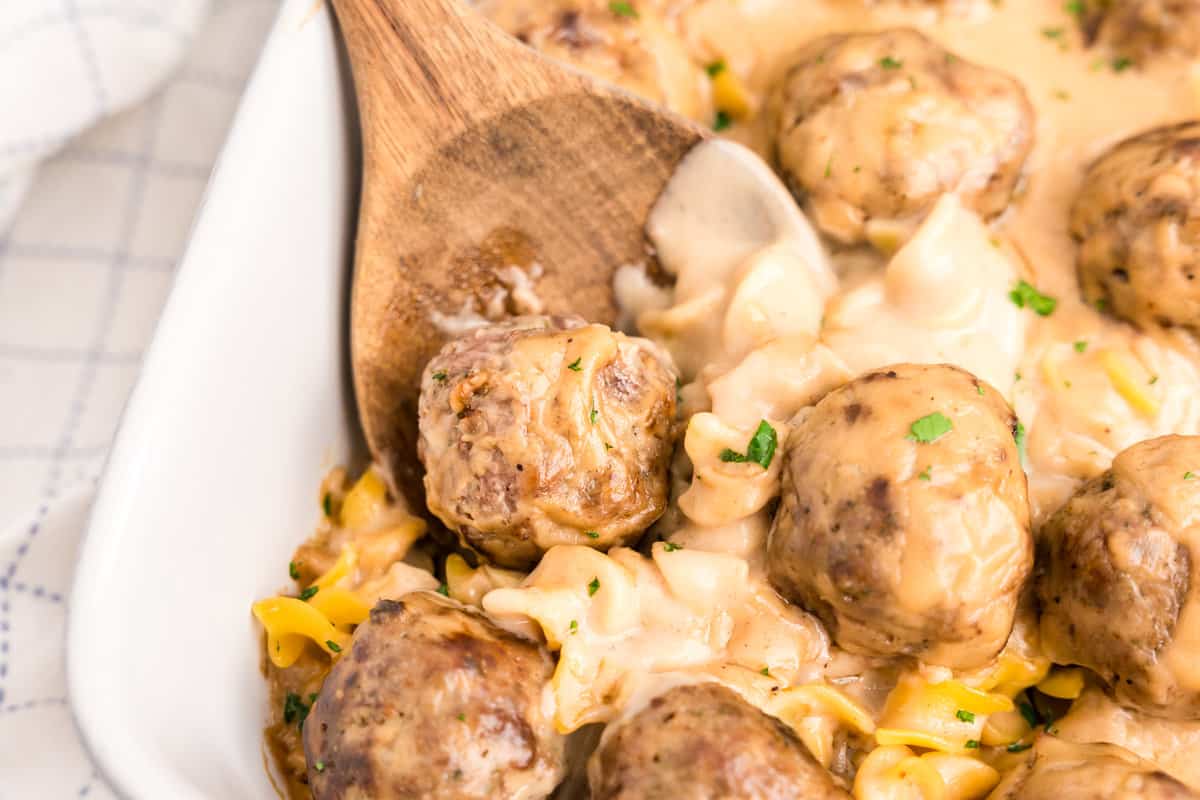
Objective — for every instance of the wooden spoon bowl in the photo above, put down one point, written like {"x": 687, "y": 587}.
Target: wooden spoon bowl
{"x": 481, "y": 155}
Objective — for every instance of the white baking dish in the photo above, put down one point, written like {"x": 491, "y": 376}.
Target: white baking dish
{"x": 243, "y": 401}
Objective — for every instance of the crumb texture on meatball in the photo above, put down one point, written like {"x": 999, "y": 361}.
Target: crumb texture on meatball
{"x": 546, "y": 431}
{"x": 877, "y": 126}
{"x": 1117, "y": 577}
{"x": 904, "y": 536}
{"x": 1137, "y": 221}
{"x": 1058, "y": 770}
{"x": 433, "y": 701}
{"x": 703, "y": 742}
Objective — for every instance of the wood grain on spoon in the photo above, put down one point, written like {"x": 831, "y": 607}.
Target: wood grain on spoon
{"x": 479, "y": 154}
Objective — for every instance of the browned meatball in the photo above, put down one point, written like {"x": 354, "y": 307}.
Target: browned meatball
{"x": 1116, "y": 573}
{"x": 1058, "y": 770}
{"x": 642, "y": 52}
{"x": 877, "y": 126}
{"x": 433, "y": 701}
{"x": 703, "y": 742}
{"x": 546, "y": 431}
{"x": 905, "y": 517}
{"x": 1137, "y": 221}
{"x": 1144, "y": 29}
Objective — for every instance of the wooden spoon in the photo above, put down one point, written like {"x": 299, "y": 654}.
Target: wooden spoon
{"x": 481, "y": 155}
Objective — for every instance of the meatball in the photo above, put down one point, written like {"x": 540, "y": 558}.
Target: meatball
{"x": 904, "y": 523}
{"x": 546, "y": 431}
{"x": 703, "y": 741}
{"x": 1137, "y": 221}
{"x": 433, "y": 701}
{"x": 640, "y": 52}
{"x": 1058, "y": 770}
{"x": 1116, "y": 577}
{"x": 1144, "y": 29}
{"x": 877, "y": 126}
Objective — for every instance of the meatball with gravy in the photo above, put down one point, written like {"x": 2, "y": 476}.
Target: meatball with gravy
{"x": 1144, "y": 29}
{"x": 703, "y": 742}
{"x": 546, "y": 431}
{"x": 904, "y": 523}
{"x": 433, "y": 701}
{"x": 1058, "y": 770}
{"x": 1118, "y": 578}
{"x": 1137, "y": 221}
{"x": 875, "y": 127}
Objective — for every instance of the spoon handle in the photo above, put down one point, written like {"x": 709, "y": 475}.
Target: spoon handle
{"x": 426, "y": 69}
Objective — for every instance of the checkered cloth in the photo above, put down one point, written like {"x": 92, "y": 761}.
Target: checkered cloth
{"x": 113, "y": 113}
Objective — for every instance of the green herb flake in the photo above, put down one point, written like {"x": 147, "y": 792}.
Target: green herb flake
{"x": 623, "y": 9}
{"x": 593, "y": 415}
{"x": 1025, "y": 294}
{"x": 443, "y": 590}
{"x": 722, "y": 121}
{"x": 715, "y": 68}
{"x": 1154, "y": 380}
{"x": 574, "y": 366}
{"x": 309, "y": 592}
{"x": 1018, "y": 747}
{"x": 593, "y": 587}
{"x": 439, "y": 376}
{"x": 1121, "y": 64}
{"x": 1081, "y": 346}
{"x": 1053, "y": 33}
{"x": 925, "y": 474}
{"x": 761, "y": 449}
{"x": 732, "y": 457}
{"x": 293, "y": 571}
{"x": 1075, "y": 8}
{"x": 326, "y": 506}
{"x": 1189, "y": 475}
{"x": 591, "y": 534}
{"x": 319, "y": 766}
{"x": 573, "y": 627}
{"x": 829, "y": 167}
{"x": 671, "y": 547}
{"x": 887, "y": 62}
{"x": 332, "y": 645}
{"x": 979, "y": 389}
{"x": 1030, "y": 715}
{"x": 1019, "y": 438}
{"x": 765, "y": 671}
{"x": 964, "y": 715}
{"x": 462, "y": 717}
{"x": 930, "y": 428}
{"x": 294, "y": 709}
{"x": 972, "y": 744}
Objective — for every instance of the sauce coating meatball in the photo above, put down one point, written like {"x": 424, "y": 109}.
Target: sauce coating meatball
{"x": 1144, "y": 29}
{"x": 904, "y": 523}
{"x": 877, "y": 126}
{"x": 433, "y": 701}
{"x": 640, "y": 51}
{"x": 703, "y": 742}
{"x": 1059, "y": 770}
{"x": 1118, "y": 582}
{"x": 546, "y": 431}
{"x": 1137, "y": 221}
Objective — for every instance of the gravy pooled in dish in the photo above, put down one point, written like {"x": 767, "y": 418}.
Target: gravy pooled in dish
{"x": 888, "y": 486}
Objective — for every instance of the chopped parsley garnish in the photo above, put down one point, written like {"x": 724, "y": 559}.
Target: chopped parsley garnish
{"x": 623, "y": 9}
{"x": 829, "y": 167}
{"x": 1017, "y": 375}
{"x": 761, "y": 449}
{"x": 1121, "y": 64}
{"x": 671, "y": 547}
{"x": 1081, "y": 346}
{"x": 1019, "y": 438}
{"x": 574, "y": 366}
{"x": 295, "y": 709}
{"x": 309, "y": 592}
{"x": 722, "y": 121}
{"x": 925, "y": 474}
{"x": 1025, "y": 294}
{"x": 887, "y": 62}
{"x": 591, "y": 534}
{"x": 439, "y": 376}
{"x": 573, "y": 627}
{"x": 979, "y": 389}
{"x": 1018, "y": 747}
{"x": 1189, "y": 475}
{"x": 1075, "y": 8}
{"x": 1154, "y": 380}
{"x": 972, "y": 744}
{"x": 592, "y": 416}
{"x": 462, "y": 717}
{"x": 293, "y": 571}
{"x": 765, "y": 671}
{"x": 443, "y": 590}
{"x": 1053, "y": 33}
{"x": 593, "y": 587}
{"x": 332, "y": 645}
{"x": 930, "y": 428}
{"x": 964, "y": 716}
{"x": 715, "y": 68}
{"x": 319, "y": 766}
{"x": 326, "y": 505}
{"x": 1029, "y": 713}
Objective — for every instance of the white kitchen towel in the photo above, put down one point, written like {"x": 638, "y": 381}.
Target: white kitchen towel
{"x": 113, "y": 114}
